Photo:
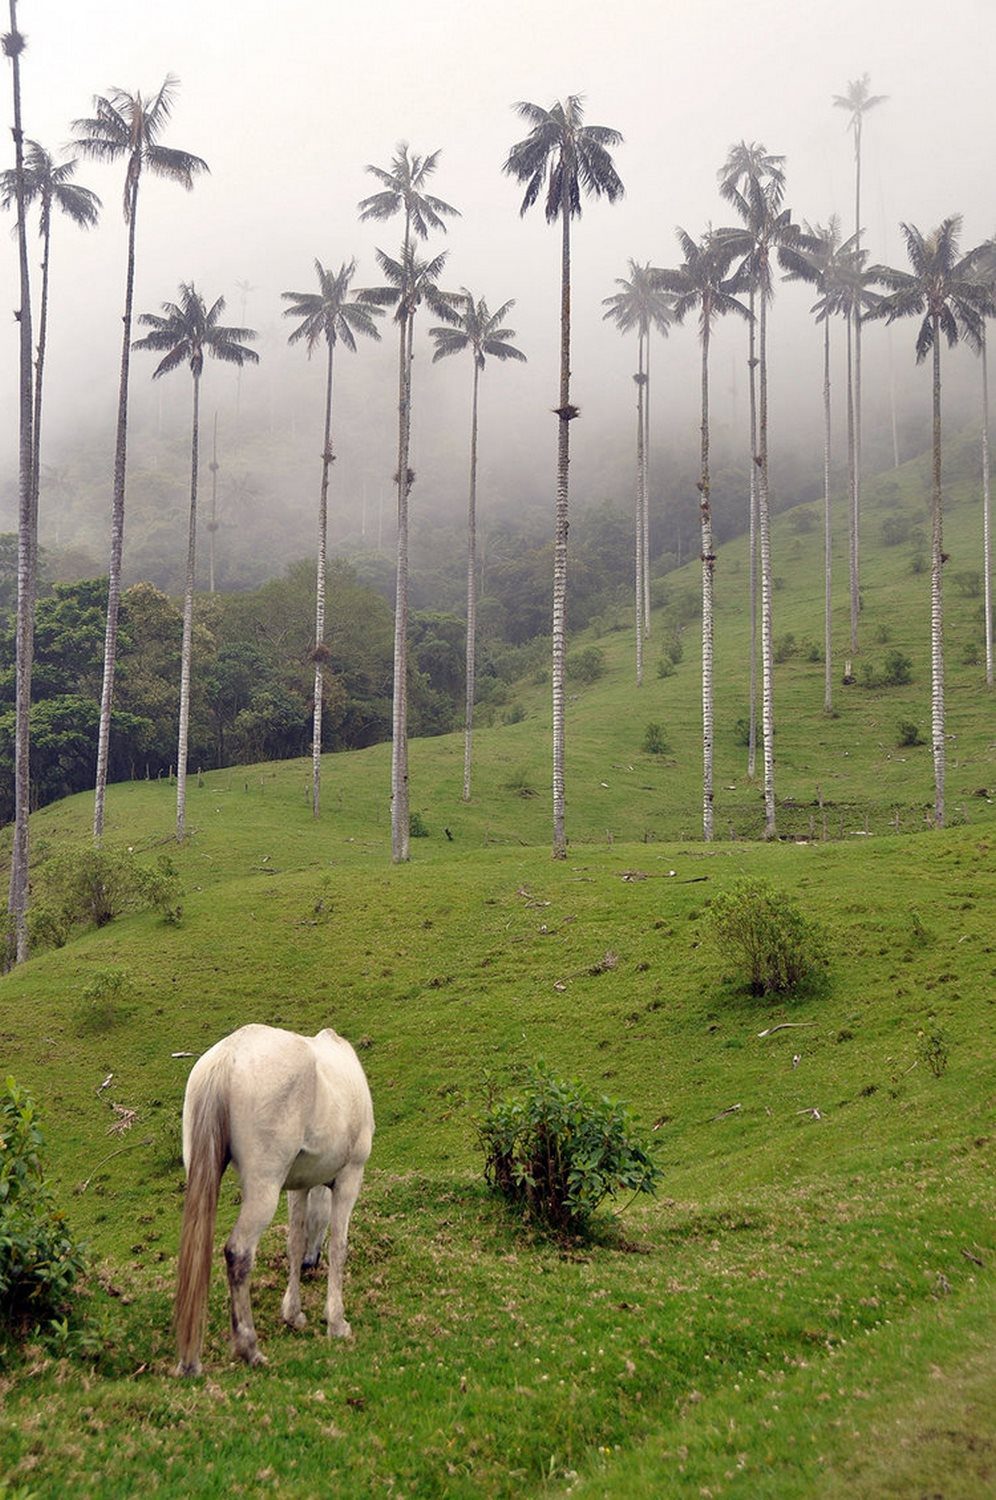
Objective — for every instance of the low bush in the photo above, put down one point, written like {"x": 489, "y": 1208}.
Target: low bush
{"x": 90, "y": 887}
{"x": 654, "y": 742}
{"x": 586, "y": 665}
{"x": 908, "y": 734}
{"x": 781, "y": 949}
{"x": 557, "y": 1152}
{"x": 40, "y": 1261}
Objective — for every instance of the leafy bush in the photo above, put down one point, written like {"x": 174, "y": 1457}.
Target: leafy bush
{"x": 557, "y": 1152}
{"x": 90, "y": 887}
{"x": 417, "y": 826}
{"x": 104, "y": 1001}
{"x": 587, "y": 665}
{"x": 908, "y": 734}
{"x": 897, "y": 671}
{"x": 654, "y": 742}
{"x": 39, "y": 1259}
{"x": 785, "y": 647}
{"x": 780, "y": 948}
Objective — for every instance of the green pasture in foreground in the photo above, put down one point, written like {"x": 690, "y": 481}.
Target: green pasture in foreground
{"x": 806, "y": 1309}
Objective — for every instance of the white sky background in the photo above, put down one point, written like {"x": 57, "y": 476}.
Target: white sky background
{"x": 288, "y": 101}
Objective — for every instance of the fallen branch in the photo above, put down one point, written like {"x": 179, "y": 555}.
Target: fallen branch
{"x": 784, "y": 1026}
{"x": 973, "y": 1258}
{"x": 182, "y": 1054}
{"x": 813, "y": 1113}
{"x": 104, "y": 1160}
{"x": 733, "y": 1109}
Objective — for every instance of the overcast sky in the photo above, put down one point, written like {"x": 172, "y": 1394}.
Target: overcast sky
{"x": 288, "y": 102}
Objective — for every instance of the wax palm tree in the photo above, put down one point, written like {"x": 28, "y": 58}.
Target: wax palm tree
{"x": 480, "y": 331}
{"x": 403, "y": 190}
{"x": 943, "y": 290}
{"x": 568, "y": 159}
{"x": 984, "y": 267}
{"x": 127, "y": 127}
{"x": 821, "y": 258}
{"x": 27, "y": 550}
{"x": 858, "y": 100}
{"x": 327, "y": 317}
{"x": 754, "y": 182}
{"x": 702, "y": 283}
{"x": 184, "y": 333}
{"x": 643, "y": 307}
{"x": 51, "y": 187}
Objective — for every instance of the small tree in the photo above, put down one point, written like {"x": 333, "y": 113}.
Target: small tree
{"x": 780, "y": 949}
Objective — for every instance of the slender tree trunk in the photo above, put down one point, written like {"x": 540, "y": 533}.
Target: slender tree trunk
{"x": 987, "y": 577}
{"x": 827, "y": 531}
{"x": 27, "y": 547}
{"x": 319, "y": 653}
{"x": 213, "y": 524}
{"x": 186, "y": 648}
{"x": 852, "y": 492}
{"x": 564, "y": 413}
{"x": 752, "y": 540}
{"x": 856, "y": 488}
{"x": 937, "y": 597}
{"x": 400, "y": 830}
{"x": 117, "y": 535}
{"x": 40, "y": 374}
{"x": 646, "y": 494}
{"x": 764, "y": 528}
{"x": 641, "y": 502}
{"x": 708, "y": 568}
{"x": 468, "y": 736}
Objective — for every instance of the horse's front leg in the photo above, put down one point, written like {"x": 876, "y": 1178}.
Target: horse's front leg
{"x": 345, "y": 1191}
{"x": 297, "y": 1218}
{"x": 259, "y": 1204}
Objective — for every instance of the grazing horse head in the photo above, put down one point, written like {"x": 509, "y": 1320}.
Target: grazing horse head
{"x": 289, "y": 1112}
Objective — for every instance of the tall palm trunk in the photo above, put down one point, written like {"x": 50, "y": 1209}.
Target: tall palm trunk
{"x": 708, "y": 568}
{"x": 646, "y": 493}
{"x": 186, "y": 648}
{"x": 564, "y": 413}
{"x": 641, "y": 516}
{"x": 764, "y": 528}
{"x": 468, "y": 736}
{"x": 752, "y": 539}
{"x": 987, "y": 581}
{"x": 827, "y": 531}
{"x": 117, "y": 533}
{"x": 856, "y": 485}
{"x": 26, "y": 540}
{"x": 40, "y": 367}
{"x": 399, "y": 715}
{"x": 852, "y": 491}
{"x": 319, "y": 653}
{"x": 936, "y": 596}
{"x": 213, "y": 523}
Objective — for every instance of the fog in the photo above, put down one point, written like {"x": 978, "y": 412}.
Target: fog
{"x": 288, "y": 103}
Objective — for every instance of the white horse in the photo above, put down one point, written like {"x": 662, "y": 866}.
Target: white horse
{"x": 290, "y": 1112}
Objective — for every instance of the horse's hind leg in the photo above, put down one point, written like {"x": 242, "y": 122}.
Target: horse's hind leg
{"x": 297, "y": 1217}
{"x": 345, "y": 1191}
{"x": 259, "y": 1204}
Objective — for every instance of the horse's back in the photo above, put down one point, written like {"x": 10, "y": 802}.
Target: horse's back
{"x": 298, "y": 1107}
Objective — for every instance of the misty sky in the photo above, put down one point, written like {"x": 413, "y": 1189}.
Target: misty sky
{"x": 288, "y": 102}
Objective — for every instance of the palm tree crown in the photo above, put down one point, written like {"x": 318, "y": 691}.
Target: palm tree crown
{"x": 410, "y": 282}
{"x": 641, "y": 305}
{"x": 565, "y": 154}
{"x": 404, "y": 190}
{"x": 50, "y": 185}
{"x": 941, "y": 285}
{"x": 188, "y": 329}
{"x": 701, "y": 281}
{"x": 478, "y": 329}
{"x": 327, "y": 316}
{"x": 858, "y": 101}
{"x": 127, "y": 125}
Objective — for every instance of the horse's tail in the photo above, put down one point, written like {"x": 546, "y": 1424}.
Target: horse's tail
{"x": 206, "y": 1130}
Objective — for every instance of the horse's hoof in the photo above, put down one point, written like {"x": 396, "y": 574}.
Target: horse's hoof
{"x": 340, "y": 1330}
{"x": 193, "y": 1368}
{"x": 299, "y": 1322}
{"x": 257, "y": 1357}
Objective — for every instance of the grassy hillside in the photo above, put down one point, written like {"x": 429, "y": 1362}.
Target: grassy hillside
{"x": 807, "y": 1307}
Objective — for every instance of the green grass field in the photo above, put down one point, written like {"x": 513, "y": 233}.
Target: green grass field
{"x": 805, "y": 1310}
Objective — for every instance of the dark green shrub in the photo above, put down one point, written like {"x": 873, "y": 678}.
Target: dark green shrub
{"x": 781, "y": 950}
{"x": 557, "y": 1152}
{"x": 785, "y": 647}
{"x": 654, "y": 742}
{"x": 908, "y": 734}
{"x": 741, "y": 732}
{"x": 665, "y": 667}
{"x": 417, "y": 826}
{"x": 586, "y": 665}
{"x": 40, "y": 1261}
{"x": 90, "y": 887}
